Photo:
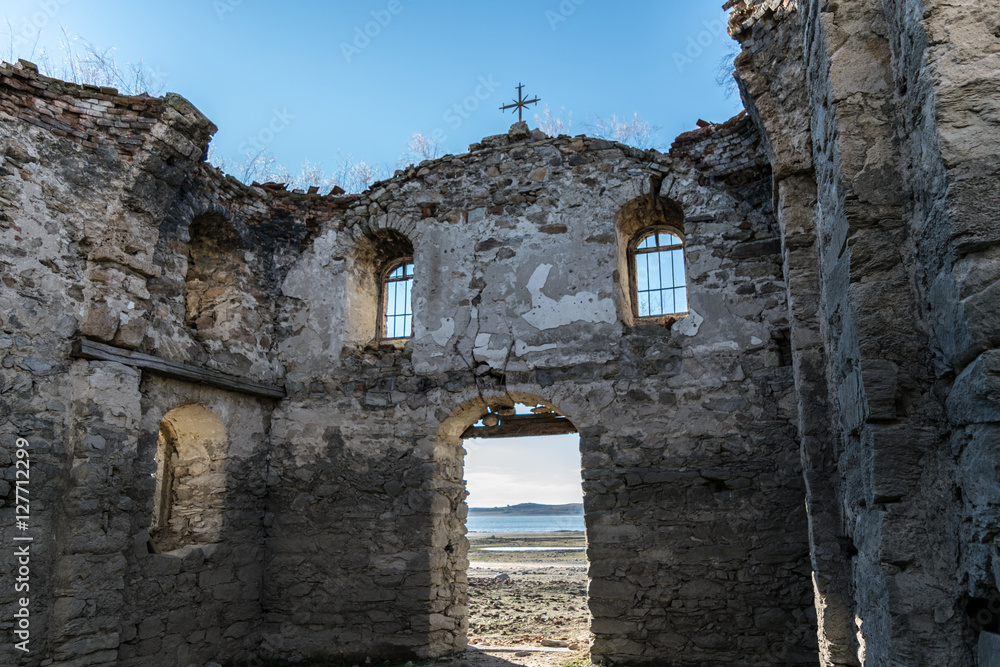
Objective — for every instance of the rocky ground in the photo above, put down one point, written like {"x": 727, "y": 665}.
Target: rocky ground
{"x": 527, "y": 608}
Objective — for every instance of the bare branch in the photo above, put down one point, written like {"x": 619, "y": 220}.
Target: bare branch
{"x": 634, "y": 132}
{"x": 553, "y": 125}
{"x": 421, "y": 148}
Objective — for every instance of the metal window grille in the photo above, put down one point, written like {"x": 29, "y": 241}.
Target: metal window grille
{"x": 661, "y": 286}
{"x": 396, "y": 289}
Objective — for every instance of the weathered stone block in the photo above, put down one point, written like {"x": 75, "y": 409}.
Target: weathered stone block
{"x": 879, "y": 380}
{"x": 975, "y": 395}
{"x": 215, "y": 577}
{"x": 151, "y": 627}
{"x": 894, "y": 456}
{"x": 611, "y": 589}
{"x": 988, "y": 654}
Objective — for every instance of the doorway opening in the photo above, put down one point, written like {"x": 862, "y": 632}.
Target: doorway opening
{"x": 527, "y": 543}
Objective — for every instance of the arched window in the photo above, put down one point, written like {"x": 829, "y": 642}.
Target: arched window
{"x": 659, "y": 284}
{"x": 397, "y": 312}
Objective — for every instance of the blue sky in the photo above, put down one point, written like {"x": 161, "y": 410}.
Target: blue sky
{"x": 359, "y": 78}
{"x": 322, "y": 81}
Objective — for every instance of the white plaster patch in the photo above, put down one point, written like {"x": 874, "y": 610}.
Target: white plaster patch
{"x": 482, "y": 351}
{"x": 521, "y": 348}
{"x": 689, "y": 325}
{"x": 323, "y": 247}
{"x": 443, "y": 334}
{"x": 547, "y": 313}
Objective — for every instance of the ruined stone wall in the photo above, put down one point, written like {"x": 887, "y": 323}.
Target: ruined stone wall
{"x": 334, "y": 519}
{"x": 902, "y": 270}
{"x": 948, "y": 114}
{"x": 96, "y": 207}
{"x": 693, "y": 502}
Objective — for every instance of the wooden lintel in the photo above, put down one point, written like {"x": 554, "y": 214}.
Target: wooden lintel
{"x": 516, "y": 426}
{"x": 89, "y": 349}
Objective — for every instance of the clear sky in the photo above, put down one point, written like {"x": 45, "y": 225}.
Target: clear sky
{"x": 508, "y": 471}
{"x": 359, "y": 78}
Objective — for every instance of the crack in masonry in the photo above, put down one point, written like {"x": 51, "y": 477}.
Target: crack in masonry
{"x": 470, "y": 364}
{"x": 615, "y": 394}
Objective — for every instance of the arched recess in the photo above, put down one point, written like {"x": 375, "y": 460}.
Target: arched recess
{"x": 642, "y": 215}
{"x": 375, "y": 254}
{"x": 450, "y": 547}
{"x": 191, "y": 480}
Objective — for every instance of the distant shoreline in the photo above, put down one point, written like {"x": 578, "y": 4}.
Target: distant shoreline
{"x": 526, "y": 535}
{"x": 529, "y": 509}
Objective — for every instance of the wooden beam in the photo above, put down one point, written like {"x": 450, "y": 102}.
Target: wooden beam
{"x": 89, "y": 349}
{"x": 516, "y": 426}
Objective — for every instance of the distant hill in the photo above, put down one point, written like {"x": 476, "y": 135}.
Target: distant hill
{"x": 529, "y": 509}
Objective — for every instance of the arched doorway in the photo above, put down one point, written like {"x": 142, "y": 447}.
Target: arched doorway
{"x": 524, "y": 578}
{"x": 191, "y": 454}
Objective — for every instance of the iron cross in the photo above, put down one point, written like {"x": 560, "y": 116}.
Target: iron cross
{"x": 519, "y": 103}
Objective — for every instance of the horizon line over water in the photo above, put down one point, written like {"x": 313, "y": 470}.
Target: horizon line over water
{"x": 524, "y": 524}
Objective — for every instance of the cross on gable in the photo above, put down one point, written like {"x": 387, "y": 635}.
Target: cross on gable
{"x": 519, "y": 103}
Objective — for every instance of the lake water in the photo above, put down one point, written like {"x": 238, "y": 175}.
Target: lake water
{"x": 519, "y": 549}
{"x": 523, "y": 524}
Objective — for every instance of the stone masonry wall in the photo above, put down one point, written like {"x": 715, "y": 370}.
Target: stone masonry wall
{"x": 690, "y": 472}
{"x": 95, "y": 193}
{"x": 839, "y": 348}
{"x": 898, "y": 93}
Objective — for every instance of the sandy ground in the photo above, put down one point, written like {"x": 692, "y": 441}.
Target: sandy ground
{"x": 527, "y": 608}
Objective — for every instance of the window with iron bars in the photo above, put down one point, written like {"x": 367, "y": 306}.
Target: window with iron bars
{"x": 659, "y": 283}
{"x": 397, "y": 312}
